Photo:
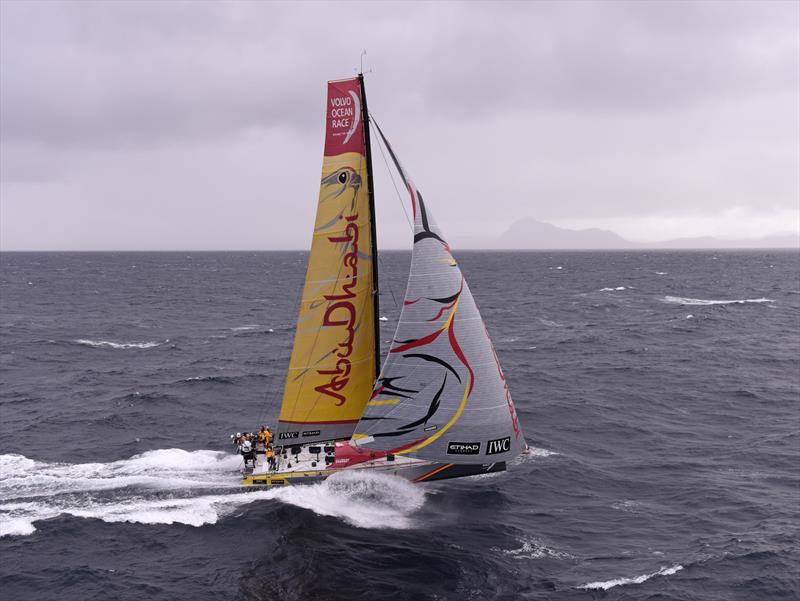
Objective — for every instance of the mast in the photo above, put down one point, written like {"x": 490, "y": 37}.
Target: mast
{"x": 373, "y": 233}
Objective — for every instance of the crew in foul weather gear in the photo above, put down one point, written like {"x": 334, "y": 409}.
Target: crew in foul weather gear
{"x": 265, "y": 436}
{"x": 271, "y": 458}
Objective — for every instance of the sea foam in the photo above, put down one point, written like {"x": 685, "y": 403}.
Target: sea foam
{"x": 679, "y": 300}
{"x": 533, "y": 548}
{"x": 118, "y": 345}
{"x": 195, "y": 488}
{"x": 607, "y": 584}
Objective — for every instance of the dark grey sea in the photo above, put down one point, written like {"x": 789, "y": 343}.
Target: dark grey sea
{"x": 659, "y": 391}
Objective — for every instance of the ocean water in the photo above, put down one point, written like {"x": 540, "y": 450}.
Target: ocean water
{"x": 658, "y": 390}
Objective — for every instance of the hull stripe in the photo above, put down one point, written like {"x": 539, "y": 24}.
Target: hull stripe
{"x": 341, "y": 421}
{"x": 433, "y": 472}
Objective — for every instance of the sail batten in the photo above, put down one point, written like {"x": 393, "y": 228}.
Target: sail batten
{"x": 332, "y": 367}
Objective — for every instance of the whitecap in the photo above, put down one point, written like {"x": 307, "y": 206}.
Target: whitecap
{"x": 550, "y": 324}
{"x": 605, "y": 585}
{"x": 530, "y": 453}
{"x": 383, "y": 318}
{"x": 533, "y": 549}
{"x": 541, "y": 452}
{"x": 627, "y": 505}
{"x": 246, "y": 327}
{"x": 680, "y": 300}
{"x": 16, "y": 527}
{"x": 617, "y": 289}
{"x": 118, "y": 345}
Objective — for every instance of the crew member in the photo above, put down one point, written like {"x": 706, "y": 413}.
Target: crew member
{"x": 271, "y": 458}
{"x": 246, "y": 449}
{"x": 265, "y": 436}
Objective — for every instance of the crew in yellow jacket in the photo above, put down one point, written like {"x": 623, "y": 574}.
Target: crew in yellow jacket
{"x": 265, "y": 436}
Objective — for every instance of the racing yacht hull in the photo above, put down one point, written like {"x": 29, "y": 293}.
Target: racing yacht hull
{"x": 302, "y": 467}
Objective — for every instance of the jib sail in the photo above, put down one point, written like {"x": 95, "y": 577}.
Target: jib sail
{"x": 442, "y": 394}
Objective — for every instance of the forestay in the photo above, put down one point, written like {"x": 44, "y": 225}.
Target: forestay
{"x": 441, "y": 394}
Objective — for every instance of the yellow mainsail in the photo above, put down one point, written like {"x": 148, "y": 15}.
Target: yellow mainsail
{"x": 332, "y": 368}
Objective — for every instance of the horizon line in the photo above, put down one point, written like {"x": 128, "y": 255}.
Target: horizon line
{"x": 469, "y": 249}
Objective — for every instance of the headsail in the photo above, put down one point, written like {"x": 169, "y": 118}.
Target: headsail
{"x": 332, "y": 368}
{"x": 442, "y": 394}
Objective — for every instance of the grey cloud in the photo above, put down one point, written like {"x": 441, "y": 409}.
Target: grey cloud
{"x": 134, "y": 73}
{"x": 129, "y": 75}
{"x": 568, "y": 110}
{"x": 623, "y": 57}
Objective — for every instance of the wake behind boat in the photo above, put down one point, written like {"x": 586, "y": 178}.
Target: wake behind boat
{"x": 440, "y": 407}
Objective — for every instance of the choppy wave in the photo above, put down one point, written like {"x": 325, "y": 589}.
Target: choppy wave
{"x": 216, "y": 379}
{"x": 533, "y": 548}
{"x": 118, "y": 345}
{"x": 534, "y": 452}
{"x": 607, "y": 584}
{"x": 627, "y": 505}
{"x": 680, "y": 300}
{"x": 173, "y": 486}
{"x": 550, "y": 323}
{"x": 617, "y": 289}
{"x": 530, "y": 454}
{"x": 252, "y": 327}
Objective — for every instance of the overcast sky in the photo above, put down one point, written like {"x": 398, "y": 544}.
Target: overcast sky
{"x": 170, "y": 125}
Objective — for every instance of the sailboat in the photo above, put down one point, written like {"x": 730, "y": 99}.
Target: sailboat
{"x": 439, "y": 407}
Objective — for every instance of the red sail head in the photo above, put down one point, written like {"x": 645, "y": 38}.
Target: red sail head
{"x": 343, "y": 119}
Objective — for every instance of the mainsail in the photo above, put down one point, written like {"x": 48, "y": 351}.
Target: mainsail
{"x": 442, "y": 394}
{"x": 333, "y": 364}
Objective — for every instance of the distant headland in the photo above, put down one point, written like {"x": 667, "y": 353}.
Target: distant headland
{"x": 532, "y": 234}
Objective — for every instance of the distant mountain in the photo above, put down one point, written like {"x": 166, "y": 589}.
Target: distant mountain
{"x": 531, "y": 234}
{"x": 774, "y": 241}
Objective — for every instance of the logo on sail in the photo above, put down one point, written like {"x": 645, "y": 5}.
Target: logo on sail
{"x": 500, "y": 445}
{"x": 288, "y": 435}
{"x": 345, "y": 112}
{"x": 341, "y": 313}
{"x": 463, "y": 448}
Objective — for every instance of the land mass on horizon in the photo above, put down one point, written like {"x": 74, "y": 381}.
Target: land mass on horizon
{"x": 532, "y": 234}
